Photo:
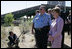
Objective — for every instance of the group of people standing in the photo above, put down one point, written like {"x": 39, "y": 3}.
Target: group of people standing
{"x": 46, "y": 29}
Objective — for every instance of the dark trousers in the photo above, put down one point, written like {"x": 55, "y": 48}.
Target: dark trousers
{"x": 63, "y": 36}
{"x": 41, "y": 37}
{"x": 69, "y": 29}
{"x": 10, "y": 44}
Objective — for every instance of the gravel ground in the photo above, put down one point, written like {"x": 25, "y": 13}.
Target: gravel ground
{"x": 27, "y": 40}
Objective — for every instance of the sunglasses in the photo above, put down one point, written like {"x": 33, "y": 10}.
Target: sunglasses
{"x": 40, "y": 9}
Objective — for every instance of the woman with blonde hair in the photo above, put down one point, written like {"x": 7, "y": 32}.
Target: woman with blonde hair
{"x": 56, "y": 27}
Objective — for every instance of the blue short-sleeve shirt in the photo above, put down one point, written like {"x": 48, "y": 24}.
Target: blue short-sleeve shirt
{"x": 41, "y": 20}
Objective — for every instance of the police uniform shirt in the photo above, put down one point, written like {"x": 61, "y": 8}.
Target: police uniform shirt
{"x": 41, "y": 20}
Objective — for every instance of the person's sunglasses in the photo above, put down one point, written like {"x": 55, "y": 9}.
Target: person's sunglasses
{"x": 40, "y": 9}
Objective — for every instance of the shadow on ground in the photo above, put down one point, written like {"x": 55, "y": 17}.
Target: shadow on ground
{"x": 66, "y": 46}
{"x": 13, "y": 47}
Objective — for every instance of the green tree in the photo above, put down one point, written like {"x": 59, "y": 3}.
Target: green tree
{"x": 8, "y": 19}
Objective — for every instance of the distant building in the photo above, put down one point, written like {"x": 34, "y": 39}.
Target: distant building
{"x": 61, "y": 3}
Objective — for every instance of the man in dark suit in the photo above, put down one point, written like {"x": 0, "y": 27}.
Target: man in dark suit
{"x": 68, "y": 19}
{"x": 13, "y": 40}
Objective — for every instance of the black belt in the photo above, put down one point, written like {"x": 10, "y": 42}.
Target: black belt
{"x": 38, "y": 29}
{"x": 45, "y": 27}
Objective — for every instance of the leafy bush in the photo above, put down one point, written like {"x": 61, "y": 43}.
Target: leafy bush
{"x": 8, "y": 19}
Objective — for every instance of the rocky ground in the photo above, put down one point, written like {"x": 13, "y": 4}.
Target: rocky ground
{"x": 26, "y": 40}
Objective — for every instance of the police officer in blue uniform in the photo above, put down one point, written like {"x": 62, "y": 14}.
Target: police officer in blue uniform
{"x": 41, "y": 25}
